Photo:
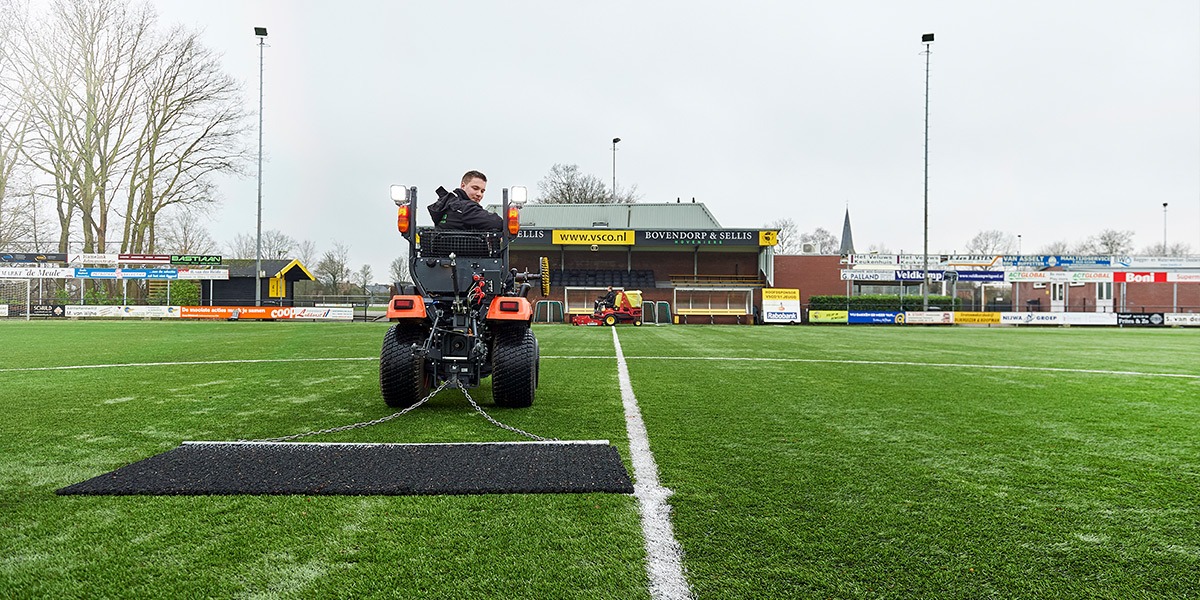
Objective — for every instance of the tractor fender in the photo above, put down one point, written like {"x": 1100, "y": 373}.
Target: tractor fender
{"x": 510, "y": 308}
{"x": 406, "y": 307}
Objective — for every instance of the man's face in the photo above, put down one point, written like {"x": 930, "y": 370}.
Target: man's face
{"x": 475, "y": 188}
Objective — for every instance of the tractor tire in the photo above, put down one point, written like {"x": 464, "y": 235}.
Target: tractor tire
{"x": 515, "y": 368}
{"x": 610, "y": 320}
{"x": 637, "y": 322}
{"x": 401, "y": 368}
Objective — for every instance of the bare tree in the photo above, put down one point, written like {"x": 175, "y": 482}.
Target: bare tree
{"x": 183, "y": 232}
{"x": 117, "y": 111}
{"x": 306, "y": 252}
{"x": 565, "y": 184}
{"x": 399, "y": 270}
{"x": 1057, "y": 248}
{"x": 1178, "y": 249}
{"x": 822, "y": 240}
{"x": 192, "y": 128}
{"x": 275, "y": 244}
{"x": 991, "y": 241}
{"x": 788, "y": 239}
{"x": 363, "y": 277}
{"x": 1109, "y": 241}
{"x": 333, "y": 271}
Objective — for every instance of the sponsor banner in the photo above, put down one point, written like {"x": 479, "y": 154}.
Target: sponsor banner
{"x": 780, "y": 294}
{"x": 1184, "y": 319}
{"x": 533, "y": 236}
{"x": 1091, "y": 318}
{"x": 1155, "y": 263}
{"x": 1141, "y": 319}
{"x": 597, "y": 237}
{"x": 828, "y": 316}
{"x": 195, "y": 259}
{"x": 768, "y": 237}
{"x": 699, "y": 237}
{"x": 977, "y": 317}
{"x": 1131, "y": 277}
{"x": 890, "y": 259}
{"x": 265, "y": 312}
{"x": 1059, "y": 276}
{"x": 119, "y": 273}
{"x": 36, "y": 273}
{"x": 90, "y": 310}
{"x": 1055, "y": 260}
{"x": 1031, "y": 318}
{"x": 145, "y": 259}
{"x": 781, "y": 305}
{"x": 34, "y": 257}
{"x": 92, "y": 259}
{"x": 864, "y": 275}
{"x": 47, "y": 310}
{"x": 893, "y": 318}
{"x": 334, "y": 314}
{"x": 969, "y": 260}
{"x": 930, "y": 317}
{"x": 139, "y": 312}
{"x": 221, "y": 274}
{"x": 1183, "y": 277}
{"x": 3, "y": 310}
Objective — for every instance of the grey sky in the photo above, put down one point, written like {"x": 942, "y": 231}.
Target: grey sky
{"x": 1053, "y": 120}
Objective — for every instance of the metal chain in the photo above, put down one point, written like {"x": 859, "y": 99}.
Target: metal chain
{"x": 480, "y": 410}
{"x": 456, "y": 382}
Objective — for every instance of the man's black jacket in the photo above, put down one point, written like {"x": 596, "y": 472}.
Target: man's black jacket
{"x": 454, "y": 210}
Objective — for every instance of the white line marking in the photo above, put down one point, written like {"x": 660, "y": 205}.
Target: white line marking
{"x": 720, "y": 358}
{"x": 664, "y": 557}
{"x": 377, "y": 444}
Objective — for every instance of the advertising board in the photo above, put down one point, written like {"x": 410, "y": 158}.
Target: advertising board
{"x": 828, "y": 316}
{"x": 931, "y": 317}
{"x": 781, "y": 305}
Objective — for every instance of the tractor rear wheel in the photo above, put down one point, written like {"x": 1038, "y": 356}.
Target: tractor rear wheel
{"x": 401, "y": 368}
{"x": 515, "y": 367}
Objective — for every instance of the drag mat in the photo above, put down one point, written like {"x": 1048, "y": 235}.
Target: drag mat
{"x": 224, "y": 468}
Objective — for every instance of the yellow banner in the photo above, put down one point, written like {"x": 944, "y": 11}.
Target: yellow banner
{"x": 976, "y": 317}
{"x": 591, "y": 236}
{"x": 770, "y": 294}
{"x": 277, "y": 288}
{"x": 768, "y": 238}
{"x": 828, "y": 316}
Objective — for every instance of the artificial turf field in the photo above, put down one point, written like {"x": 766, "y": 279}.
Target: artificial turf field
{"x": 825, "y": 462}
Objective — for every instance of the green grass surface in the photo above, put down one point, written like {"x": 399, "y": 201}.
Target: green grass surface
{"x": 805, "y": 461}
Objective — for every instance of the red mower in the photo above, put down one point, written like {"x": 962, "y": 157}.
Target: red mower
{"x": 626, "y": 308}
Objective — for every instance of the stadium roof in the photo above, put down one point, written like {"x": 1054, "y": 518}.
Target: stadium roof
{"x": 667, "y": 215}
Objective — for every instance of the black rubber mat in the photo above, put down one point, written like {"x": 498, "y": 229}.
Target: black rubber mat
{"x": 222, "y": 468}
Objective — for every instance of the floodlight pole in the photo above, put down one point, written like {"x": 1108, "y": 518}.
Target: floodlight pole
{"x": 261, "y": 32}
{"x": 1164, "y": 228}
{"x": 927, "y": 39}
{"x": 614, "y": 189}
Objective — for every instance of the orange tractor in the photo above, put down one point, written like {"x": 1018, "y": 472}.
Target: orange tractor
{"x": 625, "y": 308}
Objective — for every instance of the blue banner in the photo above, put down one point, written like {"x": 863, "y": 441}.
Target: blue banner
{"x": 919, "y": 275}
{"x": 876, "y": 317}
{"x": 82, "y": 273}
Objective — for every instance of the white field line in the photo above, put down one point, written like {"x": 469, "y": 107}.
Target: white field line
{"x": 831, "y": 361}
{"x": 664, "y": 558}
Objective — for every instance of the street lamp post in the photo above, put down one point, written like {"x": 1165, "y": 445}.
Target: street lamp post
{"x": 927, "y": 39}
{"x": 614, "y": 190}
{"x": 261, "y": 32}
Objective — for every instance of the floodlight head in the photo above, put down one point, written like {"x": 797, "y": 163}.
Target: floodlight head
{"x": 615, "y": 140}
{"x": 260, "y": 31}
{"x": 926, "y": 38}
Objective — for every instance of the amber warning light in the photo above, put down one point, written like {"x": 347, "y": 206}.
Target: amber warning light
{"x": 402, "y": 218}
{"x": 514, "y": 220}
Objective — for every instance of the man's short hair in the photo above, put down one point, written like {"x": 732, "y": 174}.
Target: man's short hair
{"x": 469, "y": 175}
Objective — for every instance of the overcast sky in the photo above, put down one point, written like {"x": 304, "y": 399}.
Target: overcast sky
{"x": 1052, "y": 120}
